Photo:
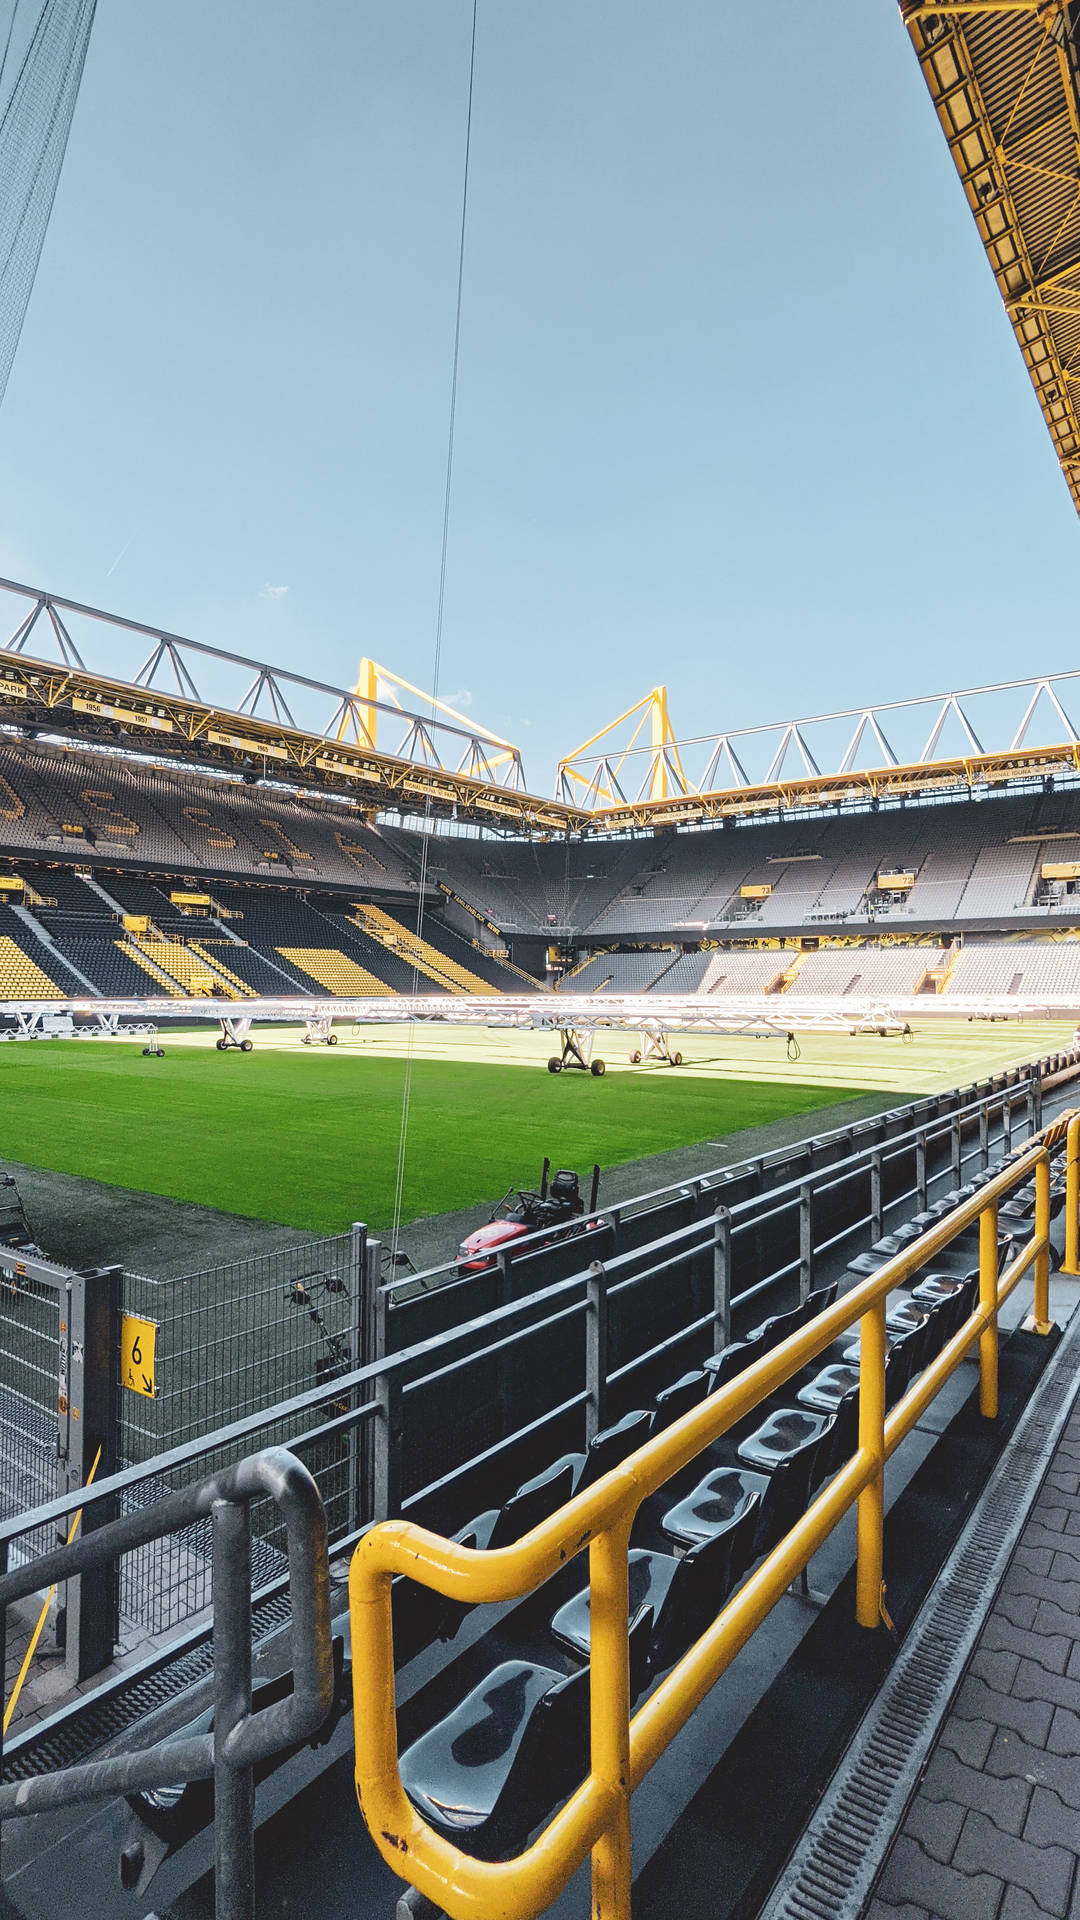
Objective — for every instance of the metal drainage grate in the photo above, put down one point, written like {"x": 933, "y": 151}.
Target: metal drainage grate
{"x": 832, "y": 1871}
{"x": 82, "y": 1735}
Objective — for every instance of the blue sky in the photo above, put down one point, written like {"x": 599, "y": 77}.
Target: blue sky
{"x": 739, "y": 408}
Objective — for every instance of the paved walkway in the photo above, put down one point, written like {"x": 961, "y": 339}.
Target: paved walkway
{"x": 994, "y": 1830}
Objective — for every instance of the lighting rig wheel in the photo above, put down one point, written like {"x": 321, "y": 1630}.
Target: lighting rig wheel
{"x": 305, "y": 1039}
{"x": 331, "y": 1039}
{"x": 635, "y": 1058}
{"x": 220, "y": 1045}
{"x": 554, "y": 1064}
{"x": 246, "y": 1046}
{"x": 677, "y": 1060}
{"x": 598, "y": 1069}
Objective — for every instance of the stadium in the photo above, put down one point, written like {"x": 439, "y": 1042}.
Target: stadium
{"x": 551, "y": 1315}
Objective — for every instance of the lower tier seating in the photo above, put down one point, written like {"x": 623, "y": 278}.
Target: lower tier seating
{"x": 491, "y": 1765}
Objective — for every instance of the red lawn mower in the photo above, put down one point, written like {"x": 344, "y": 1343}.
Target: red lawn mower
{"x": 521, "y": 1212}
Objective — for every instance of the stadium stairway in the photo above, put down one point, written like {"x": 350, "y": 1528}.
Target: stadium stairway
{"x": 419, "y": 953}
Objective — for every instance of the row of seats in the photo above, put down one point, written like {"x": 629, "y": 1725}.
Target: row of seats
{"x": 490, "y": 1769}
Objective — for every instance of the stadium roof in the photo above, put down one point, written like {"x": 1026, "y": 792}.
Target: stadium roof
{"x": 1003, "y": 76}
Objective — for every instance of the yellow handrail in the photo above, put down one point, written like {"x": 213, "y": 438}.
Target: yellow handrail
{"x": 597, "y": 1817}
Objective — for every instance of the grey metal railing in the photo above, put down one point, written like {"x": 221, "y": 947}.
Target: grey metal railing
{"x": 240, "y": 1737}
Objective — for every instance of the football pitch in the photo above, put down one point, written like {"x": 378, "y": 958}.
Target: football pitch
{"x": 309, "y": 1137}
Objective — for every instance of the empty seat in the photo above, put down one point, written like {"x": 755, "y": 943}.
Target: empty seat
{"x": 679, "y": 1398}
{"x": 684, "y": 1595}
{"x": 517, "y": 1744}
{"x": 726, "y": 1498}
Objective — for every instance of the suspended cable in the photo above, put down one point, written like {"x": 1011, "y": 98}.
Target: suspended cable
{"x": 34, "y": 127}
{"x": 406, "y": 1092}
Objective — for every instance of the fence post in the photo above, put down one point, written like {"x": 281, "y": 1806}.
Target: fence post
{"x": 1037, "y": 1096}
{"x": 386, "y": 1449}
{"x": 1006, "y": 1120}
{"x": 596, "y": 1332}
{"x": 234, "y": 1790}
{"x": 88, "y": 1618}
{"x": 1041, "y": 1304}
{"x": 921, "y": 1187}
{"x": 721, "y": 1280}
{"x": 956, "y": 1148}
{"x": 383, "y": 1450}
{"x": 876, "y": 1210}
{"x": 984, "y": 1136}
{"x": 870, "y": 1518}
{"x": 357, "y": 1357}
{"x": 1071, "y": 1262}
{"x": 806, "y": 1241}
{"x": 988, "y": 1293}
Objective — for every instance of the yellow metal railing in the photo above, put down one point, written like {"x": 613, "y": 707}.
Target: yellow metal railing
{"x": 597, "y": 1816}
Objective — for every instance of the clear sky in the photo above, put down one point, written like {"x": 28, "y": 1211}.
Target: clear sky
{"x": 739, "y": 408}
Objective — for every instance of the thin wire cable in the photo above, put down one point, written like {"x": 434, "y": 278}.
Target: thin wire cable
{"x": 406, "y": 1091}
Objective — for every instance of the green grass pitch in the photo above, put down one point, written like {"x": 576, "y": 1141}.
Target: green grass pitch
{"x": 309, "y": 1137}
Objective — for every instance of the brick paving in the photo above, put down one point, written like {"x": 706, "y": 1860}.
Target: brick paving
{"x": 993, "y": 1832}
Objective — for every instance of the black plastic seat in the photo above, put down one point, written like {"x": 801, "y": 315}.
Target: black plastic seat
{"x": 794, "y": 1434}
{"x": 824, "y": 1393}
{"x": 679, "y": 1398}
{"x": 736, "y": 1357}
{"x": 534, "y": 1502}
{"x": 726, "y": 1500}
{"x": 614, "y": 1445}
{"x": 684, "y": 1595}
{"x": 518, "y": 1743}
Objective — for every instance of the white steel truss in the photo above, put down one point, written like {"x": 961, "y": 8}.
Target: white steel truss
{"x": 440, "y": 738}
{"x": 977, "y": 723}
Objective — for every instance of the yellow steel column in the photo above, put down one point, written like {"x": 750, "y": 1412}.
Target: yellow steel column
{"x": 1071, "y": 1262}
{"x": 871, "y": 1512}
{"x": 610, "y": 1694}
{"x": 1041, "y": 1310}
{"x": 988, "y": 1286}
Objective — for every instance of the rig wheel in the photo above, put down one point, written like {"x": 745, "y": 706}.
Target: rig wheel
{"x": 220, "y": 1045}
{"x": 598, "y": 1069}
{"x": 677, "y": 1060}
{"x": 554, "y": 1064}
{"x": 635, "y": 1058}
{"x": 331, "y": 1039}
{"x": 246, "y": 1046}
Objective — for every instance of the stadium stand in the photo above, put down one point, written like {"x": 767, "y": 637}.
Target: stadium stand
{"x": 22, "y": 970}
{"x": 429, "y": 960}
{"x": 98, "y": 838}
{"x": 745, "y": 972}
{"x": 334, "y": 972}
{"x": 622, "y": 973}
{"x": 868, "y": 970}
{"x": 1024, "y": 967}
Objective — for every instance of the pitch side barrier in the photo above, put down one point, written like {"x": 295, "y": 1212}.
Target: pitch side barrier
{"x": 676, "y": 1273}
{"x": 56, "y": 1765}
